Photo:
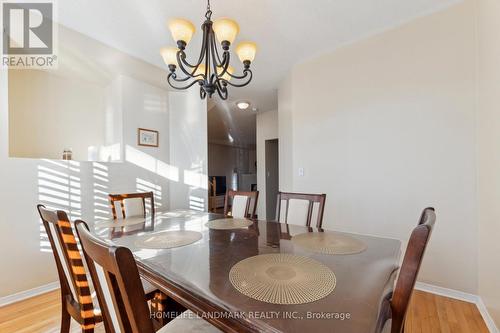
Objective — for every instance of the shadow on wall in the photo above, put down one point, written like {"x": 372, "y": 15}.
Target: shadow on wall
{"x": 146, "y": 186}
{"x": 59, "y": 187}
{"x": 194, "y": 178}
{"x": 81, "y": 188}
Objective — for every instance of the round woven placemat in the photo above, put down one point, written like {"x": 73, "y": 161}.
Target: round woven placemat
{"x": 168, "y": 239}
{"x": 227, "y": 224}
{"x": 121, "y": 222}
{"x": 282, "y": 279}
{"x": 329, "y": 243}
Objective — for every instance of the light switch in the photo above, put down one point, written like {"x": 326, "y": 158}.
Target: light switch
{"x": 301, "y": 172}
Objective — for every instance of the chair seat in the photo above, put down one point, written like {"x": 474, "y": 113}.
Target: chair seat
{"x": 188, "y": 322}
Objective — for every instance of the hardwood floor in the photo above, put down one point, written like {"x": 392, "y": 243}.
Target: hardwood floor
{"x": 428, "y": 314}
{"x": 431, "y": 313}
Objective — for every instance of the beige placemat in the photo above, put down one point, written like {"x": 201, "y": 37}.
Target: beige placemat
{"x": 329, "y": 243}
{"x": 282, "y": 279}
{"x": 227, "y": 224}
{"x": 121, "y": 222}
{"x": 168, "y": 239}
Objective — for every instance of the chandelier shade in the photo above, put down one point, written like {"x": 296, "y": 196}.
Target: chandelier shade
{"x": 246, "y": 51}
{"x": 181, "y": 30}
{"x": 226, "y": 30}
{"x": 169, "y": 55}
{"x": 212, "y": 70}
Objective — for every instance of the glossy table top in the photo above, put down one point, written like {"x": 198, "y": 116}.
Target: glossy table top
{"x": 202, "y": 269}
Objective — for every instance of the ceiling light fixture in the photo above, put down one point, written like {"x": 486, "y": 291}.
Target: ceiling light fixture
{"x": 212, "y": 72}
{"x": 243, "y": 105}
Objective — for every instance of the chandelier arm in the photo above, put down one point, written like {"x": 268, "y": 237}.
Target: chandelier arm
{"x": 176, "y": 79}
{"x": 180, "y": 56}
{"x": 215, "y": 64}
{"x": 222, "y": 91}
{"x": 211, "y": 65}
{"x": 208, "y": 49}
{"x": 215, "y": 50}
{"x": 224, "y": 64}
{"x": 244, "y": 76}
{"x": 172, "y": 76}
{"x": 203, "y": 45}
{"x": 226, "y": 58}
{"x": 181, "y": 59}
{"x": 241, "y": 77}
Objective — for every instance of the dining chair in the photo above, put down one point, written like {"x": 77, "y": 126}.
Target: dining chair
{"x": 77, "y": 292}
{"x": 243, "y": 204}
{"x": 121, "y": 296}
{"x": 132, "y": 204}
{"x": 397, "y": 303}
{"x": 76, "y": 295}
{"x": 300, "y": 208}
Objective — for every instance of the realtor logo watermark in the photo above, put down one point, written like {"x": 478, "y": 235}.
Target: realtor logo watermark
{"x": 29, "y": 35}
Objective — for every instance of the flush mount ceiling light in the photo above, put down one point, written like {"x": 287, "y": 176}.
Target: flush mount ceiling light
{"x": 243, "y": 105}
{"x": 212, "y": 72}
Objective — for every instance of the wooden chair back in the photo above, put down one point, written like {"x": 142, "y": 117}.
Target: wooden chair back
{"x": 409, "y": 269}
{"x": 117, "y": 283}
{"x": 75, "y": 288}
{"x": 244, "y": 204}
{"x": 121, "y": 198}
{"x": 303, "y": 213}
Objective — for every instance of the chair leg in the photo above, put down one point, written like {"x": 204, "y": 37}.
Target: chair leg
{"x": 158, "y": 307}
{"x": 87, "y": 330}
{"x": 65, "y": 319}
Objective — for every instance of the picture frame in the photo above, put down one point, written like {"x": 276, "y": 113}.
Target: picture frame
{"x": 147, "y": 137}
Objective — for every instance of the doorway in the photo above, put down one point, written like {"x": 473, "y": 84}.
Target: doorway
{"x": 272, "y": 177}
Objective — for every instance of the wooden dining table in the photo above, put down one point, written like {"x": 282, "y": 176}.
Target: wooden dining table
{"x": 197, "y": 275}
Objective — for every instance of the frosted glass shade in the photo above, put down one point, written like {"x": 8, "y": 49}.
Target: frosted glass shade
{"x": 181, "y": 30}
{"x": 246, "y": 51}
{"x": 169, "y": 55}
{"x": 226, "y": 30}
{"x": 226, "y": 76}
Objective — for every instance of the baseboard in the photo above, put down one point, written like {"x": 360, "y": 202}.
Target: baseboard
{"x": 486, "y": 316}
{"x": 459, "y": 295}
{"x": 6, "y": 300}
{"x": 455, "y": 294}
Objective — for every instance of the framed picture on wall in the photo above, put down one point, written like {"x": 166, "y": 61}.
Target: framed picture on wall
{"x": 147, "y": 138}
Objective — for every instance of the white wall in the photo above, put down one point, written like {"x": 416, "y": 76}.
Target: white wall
{"x": 67, "y": 112}
{"x": 488, "y": 130}
{"x": 78, "y": 187}
{"x": 267, "y": 129}
{"x": 387, "y": 128}
{"x": 75, "y": 105}
{"x": 285, "y": 129}
{"x": 188, "y": 150}
{"x": 82, "y": 187}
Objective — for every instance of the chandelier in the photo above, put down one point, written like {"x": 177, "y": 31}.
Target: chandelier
{"x": 212, "y": 71}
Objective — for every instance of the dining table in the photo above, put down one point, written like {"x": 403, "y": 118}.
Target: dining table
{"x": 197, "y": 275}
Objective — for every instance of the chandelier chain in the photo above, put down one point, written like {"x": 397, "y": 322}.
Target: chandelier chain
{"x": 208, "y": 15}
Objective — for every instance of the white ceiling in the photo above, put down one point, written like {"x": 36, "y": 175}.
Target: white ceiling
{"x": 286, "y": 31}
{"x": 232, "y": 127}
